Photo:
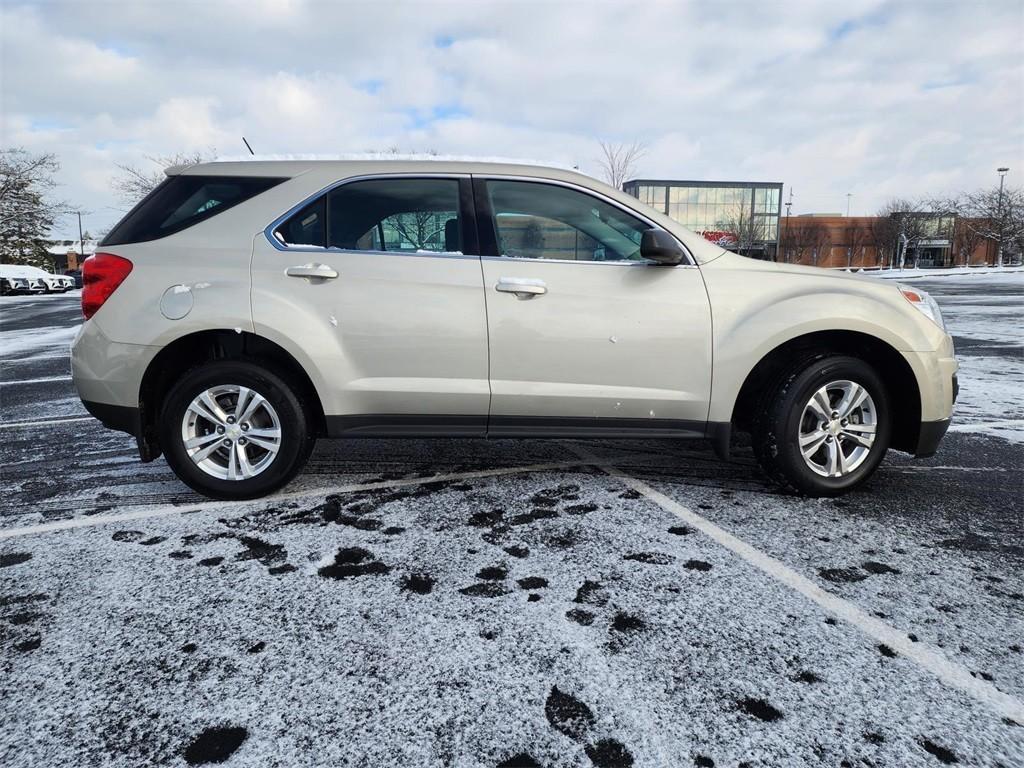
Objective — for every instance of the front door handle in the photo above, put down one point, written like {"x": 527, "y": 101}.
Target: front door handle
{"x": 312, "y": 272}
{"x": 522, "y": 287}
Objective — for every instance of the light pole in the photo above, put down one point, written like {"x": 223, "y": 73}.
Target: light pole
{"x": 789, "y": 204}
{"x": 81, "y": 242}
{"x": 999, "y": 213}
{"x": 848, "y": 196}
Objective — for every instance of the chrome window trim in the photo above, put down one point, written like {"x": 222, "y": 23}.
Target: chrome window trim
{"x": 620, "y": 263}
{"x": 268, "y": 231}
{"x": 601, "y": 196}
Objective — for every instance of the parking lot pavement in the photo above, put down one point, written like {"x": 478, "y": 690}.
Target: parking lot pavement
{"x": 511, "y": 602}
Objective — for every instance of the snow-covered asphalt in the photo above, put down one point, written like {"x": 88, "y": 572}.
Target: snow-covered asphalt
{"x": 512, "y": 603}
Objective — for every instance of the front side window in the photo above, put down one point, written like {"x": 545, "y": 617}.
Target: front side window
{"x": 543, "y": 221}
{"x": 400, "y": 215}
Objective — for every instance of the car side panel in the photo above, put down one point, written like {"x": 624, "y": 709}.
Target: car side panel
{"x": 757, "y": 309}
{"x": 393, "y": 334}
{"x": 607, "y": 341}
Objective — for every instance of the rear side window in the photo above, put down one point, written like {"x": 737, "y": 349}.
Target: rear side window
{"x": 182, "y": 201}
{"x": 401, "y": 215}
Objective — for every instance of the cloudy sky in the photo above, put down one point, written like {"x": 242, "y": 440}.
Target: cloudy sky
{"x": 869, "y": 97}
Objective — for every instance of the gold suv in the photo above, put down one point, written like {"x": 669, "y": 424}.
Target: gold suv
{"x": 245, "y": 309}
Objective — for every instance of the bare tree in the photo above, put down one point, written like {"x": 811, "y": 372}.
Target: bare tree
{"x": 135, "y": 182}
{"x": 900, "y": 226}
{"x": 967, "y": 238}
{"x": 820, "y": 241}
{"x": 803, "y": 236}
{"x": 857, "y": 239}
{"x": 618, "y": 161}
{"x": 750, "y": 230}
{"x": 26, "y": 211}
{"x": 884, "y": 236}
{"x": 988, "y": 215}
{"x": 968, "y": 235}
{"x": 424, "y": 230}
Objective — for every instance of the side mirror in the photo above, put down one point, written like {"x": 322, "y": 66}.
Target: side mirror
{"x": 658, "y": 245}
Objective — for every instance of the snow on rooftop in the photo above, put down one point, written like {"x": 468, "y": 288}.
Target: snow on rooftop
{"x": 61, "y": 247}
{"x": 386, "y": 156}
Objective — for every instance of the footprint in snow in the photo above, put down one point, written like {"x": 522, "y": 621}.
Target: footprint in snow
{"x": 214, "y": 745}
{"x": 760, "y": 709}
{"x": 14, "y": 558}
{"x": 568, "y": 714}
{"x": 350, "y": 562}
{"x": 418, "y": 583}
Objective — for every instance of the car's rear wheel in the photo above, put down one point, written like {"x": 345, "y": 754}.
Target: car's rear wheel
{"x": 825, "y": 427}
{"x": 234, "y": 430}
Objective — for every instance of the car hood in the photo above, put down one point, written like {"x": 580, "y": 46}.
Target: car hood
{"x": 730, "y": 260}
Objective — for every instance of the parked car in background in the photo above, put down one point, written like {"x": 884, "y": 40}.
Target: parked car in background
{"x": 39, "y": 281}
{"x": 13, "y": 286}
{"x": 76, "y": 275}
{"x": 446, "y": 299}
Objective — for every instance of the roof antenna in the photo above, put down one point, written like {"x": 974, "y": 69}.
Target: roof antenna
{"x": 248, "y": 147}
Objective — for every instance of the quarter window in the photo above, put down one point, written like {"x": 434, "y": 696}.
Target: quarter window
{"x": 182, "y": 201}
{"x": 307, "y": 227}
{"x": 544, "y": 221}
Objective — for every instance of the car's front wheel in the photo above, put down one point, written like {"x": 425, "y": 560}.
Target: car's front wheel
{"x": 825, "y": 427}
{"x": 234, "y": 430}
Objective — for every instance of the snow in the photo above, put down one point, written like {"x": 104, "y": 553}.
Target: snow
{"x": 924, "y": 274}
{"x": 388, "y": 156}
{"x": 28, "y": 298}
{"x": 22, "y": 270}
{"x": 36, "y": 342}
{"x": 984, "y": 312}
{"x": 656, "y": 638}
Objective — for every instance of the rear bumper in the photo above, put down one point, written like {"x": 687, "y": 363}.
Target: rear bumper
{"x": 120, "y": 417}
{"x": 105, "y": 371}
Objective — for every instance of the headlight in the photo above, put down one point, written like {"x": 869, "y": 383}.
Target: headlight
{"x": 923, "y": 302}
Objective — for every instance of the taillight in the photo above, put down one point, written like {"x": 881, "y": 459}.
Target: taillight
{"x": 101, "y": 274}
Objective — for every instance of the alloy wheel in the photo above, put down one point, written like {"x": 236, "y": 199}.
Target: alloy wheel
{"x": 837, "y": 428}
{"x": 231, "y": 432}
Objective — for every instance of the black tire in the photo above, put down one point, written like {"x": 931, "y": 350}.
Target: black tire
{"x": 297, "y": 438}
{"x": 775, "y": 428}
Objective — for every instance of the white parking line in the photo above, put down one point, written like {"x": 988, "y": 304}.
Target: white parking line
{"x": 44, "y": 380}
{"x": 224, "y": 506}
{"x": 931, "y": 659}
{"x": 919, "y": 468}
{"x": 977, "y": 426}
{"x": 44, "y": 422}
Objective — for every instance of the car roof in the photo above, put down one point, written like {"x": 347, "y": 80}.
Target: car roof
{"x": 296, "y": 165}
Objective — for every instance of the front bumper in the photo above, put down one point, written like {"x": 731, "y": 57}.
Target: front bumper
{"x": 931, "y": 432}
{"x": 929, "y": 437}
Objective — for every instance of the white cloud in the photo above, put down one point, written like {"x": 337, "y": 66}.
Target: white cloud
{"x": 869, "y": 97}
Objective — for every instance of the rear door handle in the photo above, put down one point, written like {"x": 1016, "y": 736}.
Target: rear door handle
{"x": 522, "y": 287}
{"x": 312, "y": 272}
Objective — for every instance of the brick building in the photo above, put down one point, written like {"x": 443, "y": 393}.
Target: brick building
{"x": 921, "y": 239}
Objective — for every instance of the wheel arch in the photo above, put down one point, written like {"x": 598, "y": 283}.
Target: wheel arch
{"x": 902, "y": 387}
{"x": 194, "y": 349}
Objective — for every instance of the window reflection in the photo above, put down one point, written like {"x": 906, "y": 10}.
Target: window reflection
{"x": 744, "y": 217}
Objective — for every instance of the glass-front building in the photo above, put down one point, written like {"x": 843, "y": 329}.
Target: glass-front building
{"x": 740, "y": 215}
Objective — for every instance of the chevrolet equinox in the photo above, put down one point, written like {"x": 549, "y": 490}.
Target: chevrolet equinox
{"x": 244, "y": 309}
